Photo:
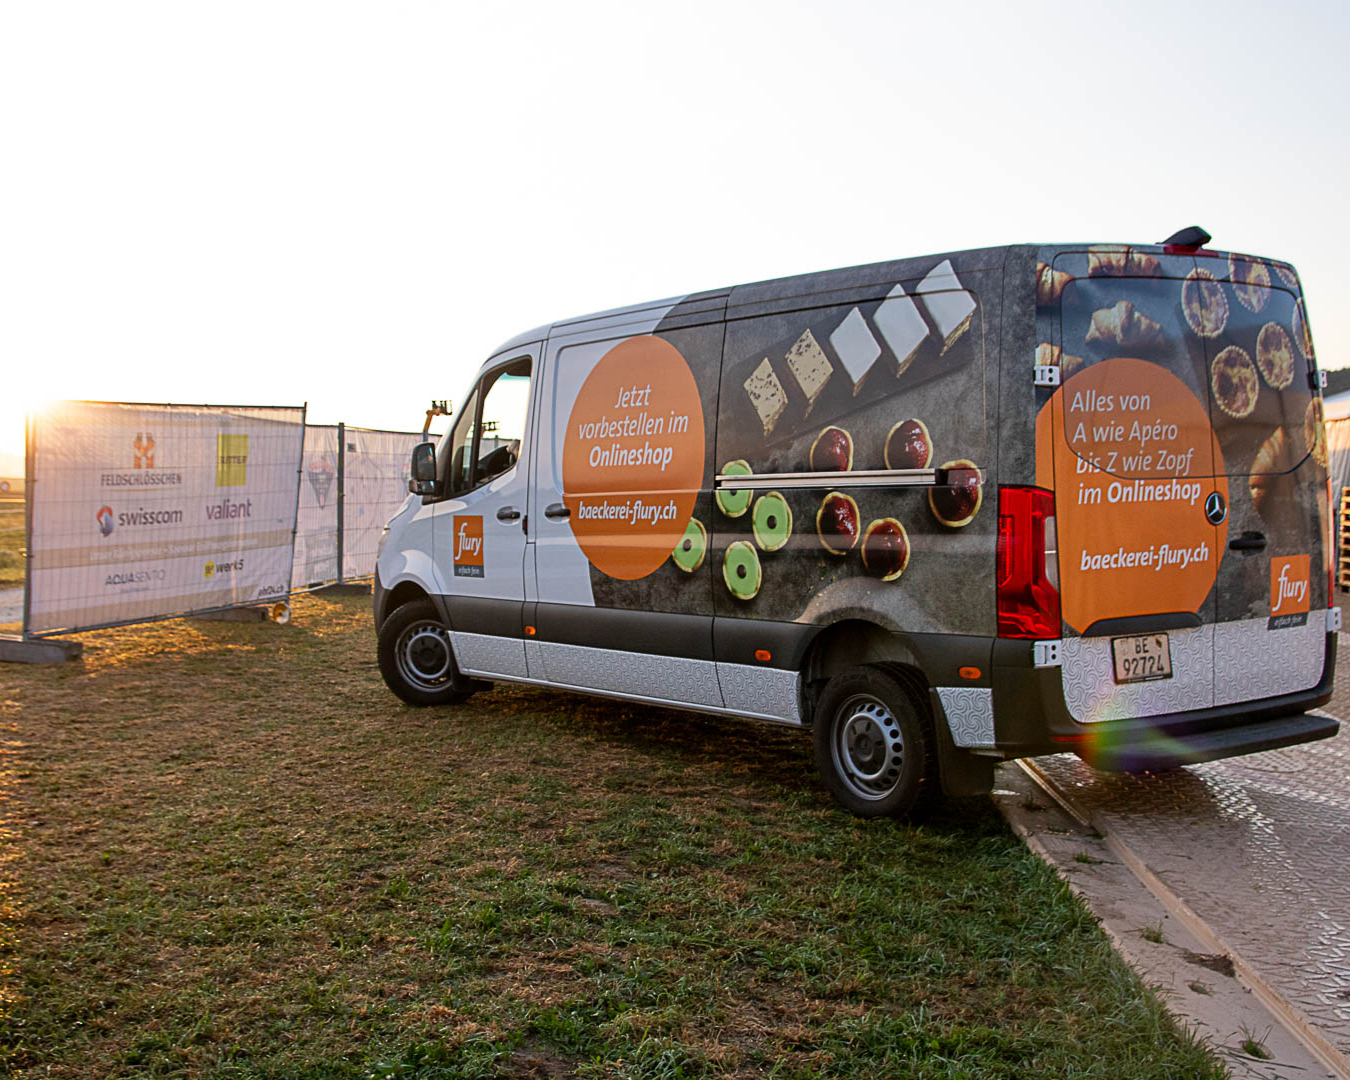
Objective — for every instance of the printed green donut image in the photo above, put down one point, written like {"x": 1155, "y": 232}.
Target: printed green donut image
{"x": 731, "y": 501}
{"x": 772, "y": 521}
{"x": 741, "y": 570}
{"x": 690, "y": 552}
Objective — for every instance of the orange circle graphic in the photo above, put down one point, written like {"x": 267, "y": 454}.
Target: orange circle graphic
{"x": 1131, "y": 455}
{"x": 633, "y": 457}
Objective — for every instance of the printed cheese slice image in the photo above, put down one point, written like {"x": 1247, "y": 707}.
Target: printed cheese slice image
{"x": 856, "y": 347}
{"x": 766, "y": 395}
{"x": 810, "y": 367}
{"x": 949, "y": 305}
{"x": 901, "y": 326}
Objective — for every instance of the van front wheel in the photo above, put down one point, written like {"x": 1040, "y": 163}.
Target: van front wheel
{"x": 416, "y": 659}
{"x": 873, "y": 748}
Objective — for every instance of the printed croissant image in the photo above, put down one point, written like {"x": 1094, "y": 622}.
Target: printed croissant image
{"x": 1113, "y": 261}
{"x": 1122, "y": 325}
{"x": 1268, "y": 469}
{"x": 1049, "y": 284}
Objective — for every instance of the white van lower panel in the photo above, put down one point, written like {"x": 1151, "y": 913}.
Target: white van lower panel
{"x": 970, "y": 714}
{"x": 761, "y": 691}
{"x": 640, "y": 675}
{"x": 1252, "y": 662}
{"x": 1092, "y": 694}
{"x": 487, "y": 654}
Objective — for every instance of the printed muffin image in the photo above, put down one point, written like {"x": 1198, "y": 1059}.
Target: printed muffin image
{"x": 1123, "y": 325}
{"x": 832, "y": 451}
{"x": 740, "y": 570}
{"x": 1301, "y": 334}
{"x": 1287, "y": 275}
{"x": 1251, "y": 282}
{"x": 1049, "y": 284}
{"x": 1048, "y": 355}
{"x": 1275, "y": 356}
{"x": 1234, "y": 382}
{"x": 1315, "y": 432}
{"x": 690, "y": 552}
{"x": 885, "y": 549}
{"x": 1204, "y": 304}
{"x": 1268, "y": 471}
{"x": 908, "y": 446}
{"x": 772, "y": 521}
{"x": 734, "y": 501}
{"x": 956, "y": 503}
{"x": 837, "y": 523}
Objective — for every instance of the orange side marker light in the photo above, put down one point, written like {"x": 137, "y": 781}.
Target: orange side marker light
{"x": 969, "y": 672}
{"x": 530, "y": 631}
{"x": 763, "y": 656}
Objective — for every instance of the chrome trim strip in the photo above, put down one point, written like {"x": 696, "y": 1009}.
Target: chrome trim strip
{"x": 859, "y": 478}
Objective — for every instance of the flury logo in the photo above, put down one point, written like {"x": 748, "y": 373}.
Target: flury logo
{"x": 145, "y": 451}
{"x": 468, "y": 546}
{"x": 105, "y": 520}
{"x": 231, "y": 460}
{"x": 1289, "y": 599}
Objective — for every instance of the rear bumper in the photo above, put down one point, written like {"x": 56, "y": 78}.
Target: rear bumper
{"x": 1153, "y": 742}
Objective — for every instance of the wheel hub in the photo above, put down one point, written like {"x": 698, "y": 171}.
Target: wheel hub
{"x": 869, "y": 748}
{"x": 424, "y": 655}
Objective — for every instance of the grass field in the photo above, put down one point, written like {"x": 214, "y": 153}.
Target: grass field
{"x": 11, "y": 542}
{"x": 227, "y": 851}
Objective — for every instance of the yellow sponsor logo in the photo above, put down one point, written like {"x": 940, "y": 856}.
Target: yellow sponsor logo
{"x": 231, "y": 460}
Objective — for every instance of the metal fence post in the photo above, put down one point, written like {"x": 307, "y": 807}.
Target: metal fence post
{"x": 341, "y": 497}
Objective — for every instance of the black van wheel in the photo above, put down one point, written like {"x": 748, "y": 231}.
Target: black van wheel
{"x": 873, "y": 746}
{"x": 416, "y": 659}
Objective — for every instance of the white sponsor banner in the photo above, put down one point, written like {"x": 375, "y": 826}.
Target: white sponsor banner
{"x": 316, "y": 525}
{"x": 376, "y": 470}
{"x": 144, "y": 511}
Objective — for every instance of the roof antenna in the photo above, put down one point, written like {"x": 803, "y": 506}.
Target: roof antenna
{"x": 1187, "y": 240}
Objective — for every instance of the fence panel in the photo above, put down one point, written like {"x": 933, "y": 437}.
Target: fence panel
{"x": 146, "y": 511}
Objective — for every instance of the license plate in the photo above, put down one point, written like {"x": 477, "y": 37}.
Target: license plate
{"x": 1142, "y": 657}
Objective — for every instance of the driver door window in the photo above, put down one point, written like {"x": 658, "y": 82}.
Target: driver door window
{"x": 487, "y": 439}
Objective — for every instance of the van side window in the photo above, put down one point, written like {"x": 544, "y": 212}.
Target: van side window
{"x": 488, "y": 436}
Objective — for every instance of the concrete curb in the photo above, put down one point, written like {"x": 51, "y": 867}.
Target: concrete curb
{"x": 1291, "y": 1018}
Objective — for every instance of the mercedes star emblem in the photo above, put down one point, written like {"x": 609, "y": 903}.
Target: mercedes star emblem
{"x": 1215, "y": 508}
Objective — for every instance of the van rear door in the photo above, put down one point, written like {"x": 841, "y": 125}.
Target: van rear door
{"x": 1127, "y": 444}
{"x": 1190, "y": 504}
{"x": 1269, "y": 635}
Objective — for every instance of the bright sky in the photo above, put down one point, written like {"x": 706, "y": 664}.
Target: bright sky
{"x": 353, "y": 204}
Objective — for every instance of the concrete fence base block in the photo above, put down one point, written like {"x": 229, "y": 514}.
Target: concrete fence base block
{"x": 236, "y": 614}
{"x": 20, "y": 650}
{"x": 346, "y": 588}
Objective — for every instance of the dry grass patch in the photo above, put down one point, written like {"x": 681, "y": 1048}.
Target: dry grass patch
{"x": 230, "y": 852}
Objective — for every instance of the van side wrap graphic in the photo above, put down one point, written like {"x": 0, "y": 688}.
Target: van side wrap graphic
{"x": 633, "y": 457}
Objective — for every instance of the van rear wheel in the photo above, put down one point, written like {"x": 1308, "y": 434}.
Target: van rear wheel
{"x": 873, "y": 746}
{"x": 416, "y": 659}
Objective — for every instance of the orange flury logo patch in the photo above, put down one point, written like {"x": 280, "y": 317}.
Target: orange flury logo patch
{"x": 1290, "y": 587}
{"x": 468, "y": 545}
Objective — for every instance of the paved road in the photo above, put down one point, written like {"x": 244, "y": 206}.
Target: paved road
{"x": 1258, "y": 847}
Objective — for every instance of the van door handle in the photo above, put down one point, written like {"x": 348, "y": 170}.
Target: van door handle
{"x": 508, "y": 513}
{"x": 557, "y": 511}
{"x": 1248, "y": 541}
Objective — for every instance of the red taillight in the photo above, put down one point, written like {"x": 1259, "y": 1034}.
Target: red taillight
{"x": 1028, "y": 600}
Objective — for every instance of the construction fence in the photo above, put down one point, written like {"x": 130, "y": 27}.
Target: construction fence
{"x": 141, "y": 512}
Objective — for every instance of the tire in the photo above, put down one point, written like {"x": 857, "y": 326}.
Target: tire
{"x": 416, "y": 659}
{"x": 874, "y": 747}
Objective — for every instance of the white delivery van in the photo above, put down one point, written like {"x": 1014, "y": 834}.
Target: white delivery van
{"x": 941, "y": 511}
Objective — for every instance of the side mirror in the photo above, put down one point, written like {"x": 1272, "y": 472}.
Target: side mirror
{"x": 423, "y": 480}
